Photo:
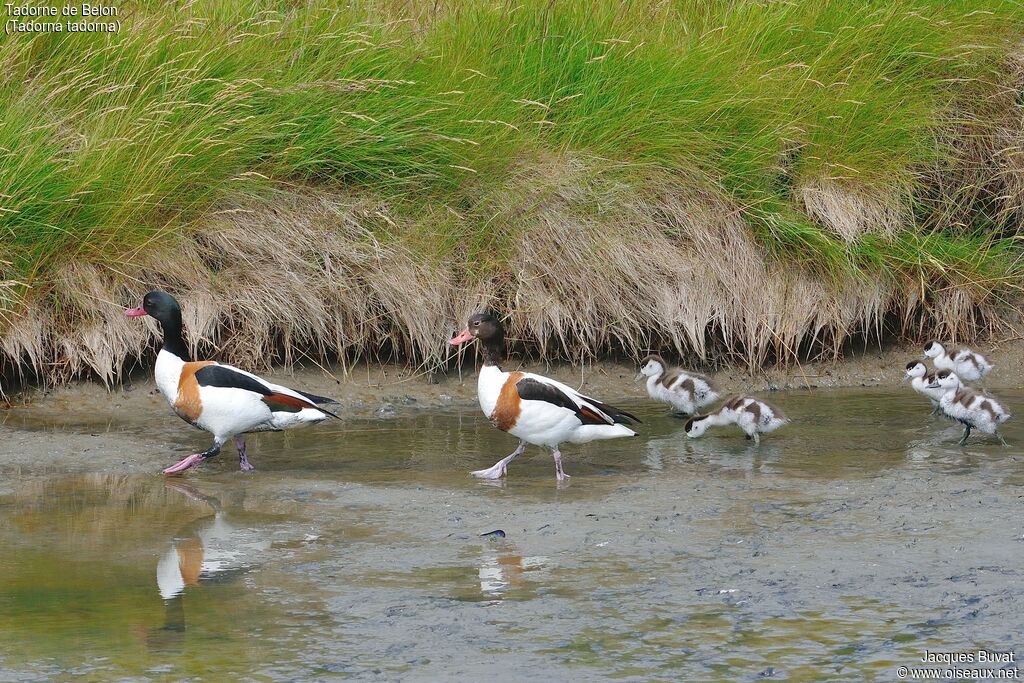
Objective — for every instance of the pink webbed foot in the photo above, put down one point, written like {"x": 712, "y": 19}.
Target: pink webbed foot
{"x": 495, "y": 471}
{"x": 499, "y": 469}
{"x": 184, "y": 464}
{"x": 243, "y": 460}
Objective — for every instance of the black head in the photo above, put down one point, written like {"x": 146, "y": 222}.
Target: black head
{"x": 488, "y": 329}
{"x": 689, "y": 423}
{"x": 943, "y": 374}
{"x": 483, "y": 326}
{"x": 159, "y": 305}
{"x": 913, "y": 364}
{"x": 165, "y": 309}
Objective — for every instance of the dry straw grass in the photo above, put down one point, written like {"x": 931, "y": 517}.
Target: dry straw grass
{"x": 590, "y": 265}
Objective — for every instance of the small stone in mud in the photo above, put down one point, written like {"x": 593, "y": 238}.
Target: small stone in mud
{"x": 385, "y": 410}
{"x": 497, "y": 533}
{"x": 446, "y": 397}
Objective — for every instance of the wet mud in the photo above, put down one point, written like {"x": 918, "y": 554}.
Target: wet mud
{"x": 844, "y": 546}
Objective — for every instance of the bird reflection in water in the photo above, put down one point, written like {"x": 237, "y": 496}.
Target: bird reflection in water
{"x": 503, "y": 569}
{"x": 206, "y": 551}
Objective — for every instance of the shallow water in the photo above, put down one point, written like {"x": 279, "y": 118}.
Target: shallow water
{"x": 844, "y": 546}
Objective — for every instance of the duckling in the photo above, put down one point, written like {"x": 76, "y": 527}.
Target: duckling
{"x": 967, "y": 364}
{"x": 920, "y": 378}
{"x": 687, "y": 391}
{"x": 968, "y": 407}
{"x": 752, "y": 415}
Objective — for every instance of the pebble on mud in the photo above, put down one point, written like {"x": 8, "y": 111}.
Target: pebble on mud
{"x": 497, "y": 533}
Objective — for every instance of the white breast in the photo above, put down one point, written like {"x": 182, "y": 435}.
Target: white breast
{"x": 167, "y": 373}
{"x": 488, "y": 387}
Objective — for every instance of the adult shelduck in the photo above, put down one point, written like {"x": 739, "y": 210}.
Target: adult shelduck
{"x": 920, "y": 379}
{"x": 221, "y": 399}
{"x": 967, "y": 364}
{"x": 968, "y": 407}
{"x": 687, "y": 391}
{"x": 538, "y": 410}
{"x": 752, "y": 415}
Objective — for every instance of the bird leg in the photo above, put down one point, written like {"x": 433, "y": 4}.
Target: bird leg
{"x": 560, "y": 474}
{"x": 967, "y": 433}
{"x": 243, "y": 461}
{"x": 497, "y": 470}
{"x": 1001, "y": 439}
{"x": 194, "y": 459}
{"x": 757, "y": 439}
{"x": 937, "y": 409}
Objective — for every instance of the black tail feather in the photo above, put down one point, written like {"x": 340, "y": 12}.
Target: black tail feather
{"x": 618, "y": 416}
{"x": 324, "y": 410}
{"x": 316, "y": 399}
{"x": 320, "y": 400}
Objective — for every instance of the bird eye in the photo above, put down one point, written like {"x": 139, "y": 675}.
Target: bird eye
{"x": 476, "y": 323}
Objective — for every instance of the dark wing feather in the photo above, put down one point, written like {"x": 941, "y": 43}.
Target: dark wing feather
{"x": 618, "y": 416}
{"x": 533, "y": 390}
{"x": 224, "y": 376}
{"x": 596, "y": 413}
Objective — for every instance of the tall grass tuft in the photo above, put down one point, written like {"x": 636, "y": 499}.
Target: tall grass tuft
{"x": 856, "y": 143}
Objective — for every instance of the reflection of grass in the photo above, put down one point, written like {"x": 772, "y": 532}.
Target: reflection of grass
{"x": 87, "y": 612}
{"x": 818, "y": 123}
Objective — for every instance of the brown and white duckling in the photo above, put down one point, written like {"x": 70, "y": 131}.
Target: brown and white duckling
{"x": 538, "y": 410}
{"x": 221, "y": 399}
{"x": 968, "y": 407}
{"x": 752, "y": 415}
{"x": 686, "y": 391}
{"x": 967, "y": 364}
{"x": 920, "y": 377}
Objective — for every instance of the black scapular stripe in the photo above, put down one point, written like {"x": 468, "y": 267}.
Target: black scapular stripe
{"x": 223, "y": 376}
{"x": 533, "y": 390}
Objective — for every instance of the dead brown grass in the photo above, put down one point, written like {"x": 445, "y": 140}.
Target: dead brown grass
{"x": 581, "y": 262}
{"x": 849, "y": 212}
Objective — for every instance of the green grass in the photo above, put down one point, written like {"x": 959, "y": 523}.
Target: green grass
{"x": 113, "y": 145}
